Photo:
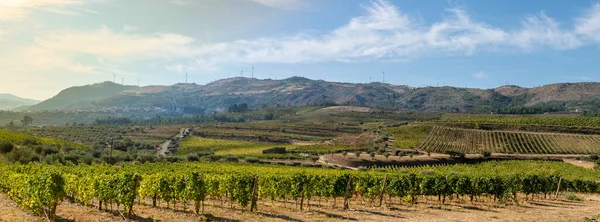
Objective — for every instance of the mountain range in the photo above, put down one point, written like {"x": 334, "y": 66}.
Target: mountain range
{"x": 299, "y": 91}
{"x": 9, "y": 102}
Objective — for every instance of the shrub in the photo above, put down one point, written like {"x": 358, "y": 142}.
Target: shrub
{"x": 314, "y": 158}
{"x": 173, "y": 159}
{"x": 86, "y": 159}
{"x": 23, "y": 155}
{"x": 231, "y": 158}
{"x": 252, "y": 159}
{"x": 486, "y": 154}
{"x": 145, "y": 158}
{"x": 106, "y": 158}
{"x": 193, "y": 158}
{"x": 29, "y": 142}
{"x": 72, "y": 158}
{"x": 6, "y": 147}
{"x": 455, "y": 154}
{"x": 54, "y": 159}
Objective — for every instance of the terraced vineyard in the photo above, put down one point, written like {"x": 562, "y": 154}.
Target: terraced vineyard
{"x": 532, "y": 120}
{"x": 442, "y": 139}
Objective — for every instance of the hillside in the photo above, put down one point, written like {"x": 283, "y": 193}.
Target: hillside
{"x": 9, "y": 101}
{"x": 298, "y": 91}
{"x": 80, "y": 96}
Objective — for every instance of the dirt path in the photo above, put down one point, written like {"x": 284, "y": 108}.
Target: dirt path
{"x": 164, "y": 147}
{"x": 426, "y": 210}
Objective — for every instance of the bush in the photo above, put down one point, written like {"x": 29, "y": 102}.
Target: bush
{"x": 252, "y": 159}
{"x": 6, "y": 147}
{"x": 314, "y": 158}
{"x": 455, "y": 154}
{"x": 86, "y": 159}
{"x": 486, "y": 154}
{"x": 29, "y": 142}
{"x": 54, "y": 159}
{"x": 145, "y": 158}
{"x": 173, "y": 159}
{"x": 23, "y": 155}
{"x": 108, "y": 159}
{"x": 231, "y": 158}
{"x": 193, "y": 158}
{"x": 73, "y": 158}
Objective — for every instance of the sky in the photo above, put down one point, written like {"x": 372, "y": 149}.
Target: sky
{"x": 49, "y": 45}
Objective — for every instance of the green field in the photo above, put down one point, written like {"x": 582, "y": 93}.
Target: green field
{"x": 223, "y": 147}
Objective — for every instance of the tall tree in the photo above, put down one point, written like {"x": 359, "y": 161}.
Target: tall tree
{"x": 26, "y": 121}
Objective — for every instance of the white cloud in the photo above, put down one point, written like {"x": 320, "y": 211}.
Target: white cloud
{"x": 284, "y": 4}
{"x": 481, "y": 75}
{"x": 588, "y": 25}
{"x": 383, "y": 33}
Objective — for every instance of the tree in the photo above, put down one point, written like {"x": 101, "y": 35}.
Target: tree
{"x": 26, "y": 121}
{"x": 11, "y": 126}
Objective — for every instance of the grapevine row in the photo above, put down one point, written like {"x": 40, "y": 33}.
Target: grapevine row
{"x": 442, "y": 139}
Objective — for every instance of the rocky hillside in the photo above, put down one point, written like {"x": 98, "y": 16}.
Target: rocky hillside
{"x": 298, "y": 91}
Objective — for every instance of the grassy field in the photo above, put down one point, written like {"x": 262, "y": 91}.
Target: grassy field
{"x": 224, "y": 147}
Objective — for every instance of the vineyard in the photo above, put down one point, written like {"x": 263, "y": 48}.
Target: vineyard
{"x": 442, "y": 139}
{"x": 23, "y": 139}
{"x": 532, "y": 120}
{"x": 41, "y": 188}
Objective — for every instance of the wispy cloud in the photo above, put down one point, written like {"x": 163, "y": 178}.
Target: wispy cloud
{"x": 481, "y": 75}
{"x": 383, "y": 33}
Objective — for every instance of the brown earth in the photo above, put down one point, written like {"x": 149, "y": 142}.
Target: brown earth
{"x": 428, "y": 209}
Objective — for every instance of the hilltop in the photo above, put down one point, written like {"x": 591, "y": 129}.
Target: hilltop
{"x": 80, "y": 97}
{"x": 299, "y": 91}
{"x": 9, "y": 101}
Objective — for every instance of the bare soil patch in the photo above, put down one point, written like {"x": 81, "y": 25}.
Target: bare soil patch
{"x": 581, "y": 163}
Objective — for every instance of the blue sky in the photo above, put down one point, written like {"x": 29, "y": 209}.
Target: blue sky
{"x": 48, "y": 45}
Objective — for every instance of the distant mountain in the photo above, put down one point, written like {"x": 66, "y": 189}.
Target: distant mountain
{"x": 9, "y": 102}
{"x": 80, "y": 96}
{"x": 299, "y": 91}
